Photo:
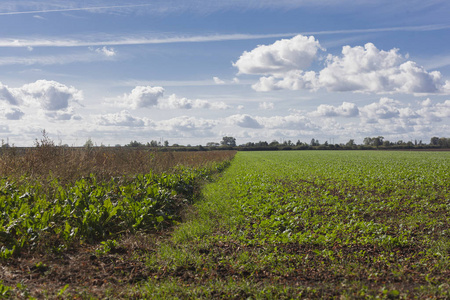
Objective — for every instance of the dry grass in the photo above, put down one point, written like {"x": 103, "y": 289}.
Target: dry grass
{"x": 46, "y": 161}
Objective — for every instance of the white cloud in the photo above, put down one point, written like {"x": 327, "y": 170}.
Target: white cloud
{"x": 290, "y": 122}
{"x": 434, "y": 112}
{"x": 158, "y": 7}
{"x": 63, "y": 115}
{"x": 45, "y": 99}
{"x": 50, "y": 95}
{"x": 368, "y": 69}
{"x": 149, "y": 38}
{"x": 52, "y": 59}
{"x": 443, "y": 109}
{"x": 108, "y": 52}
{"x": 13, "y": 114}
{"x": 187, "y": 124}
{"x": 6, "y": 94}
{"x": 244, "y": 121}
{"x": 292, "y": 80}
{"x": 217, "y": 80}
{"x": 346, "y": 109}
{"x": 49, "y": 8}
{"x": 175, "y": 102}
{"x": 147, "y": 96}
{"x": 359, "y": 69}
{"x": 386, "y": 108}
{"x": 142, "y": 97}
{"x": 280, "y": 57}
{"x": 266, "y": 105}
{"x": 123, "y": 118}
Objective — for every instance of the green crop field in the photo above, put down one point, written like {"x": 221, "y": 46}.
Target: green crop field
{"x": 274, "y": 225}
{"x": 319, "y": 225}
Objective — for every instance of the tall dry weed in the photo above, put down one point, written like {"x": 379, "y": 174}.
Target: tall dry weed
{"x": 46, "y": 161}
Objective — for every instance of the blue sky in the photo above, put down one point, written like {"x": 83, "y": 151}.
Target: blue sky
{"x": 191, "y": 72}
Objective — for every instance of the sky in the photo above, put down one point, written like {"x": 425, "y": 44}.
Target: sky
{"x": 193, "y": 71}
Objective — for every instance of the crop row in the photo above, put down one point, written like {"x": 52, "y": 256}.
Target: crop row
{"x": 52, "y": 218}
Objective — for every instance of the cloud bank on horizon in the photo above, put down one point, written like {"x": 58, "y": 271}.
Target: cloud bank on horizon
{"x": 120, "y": 75}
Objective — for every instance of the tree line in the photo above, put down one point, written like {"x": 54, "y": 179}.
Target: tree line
{"x": 368, "y": 143}
{"x": 229, "y": 142}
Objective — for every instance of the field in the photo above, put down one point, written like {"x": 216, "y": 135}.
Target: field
{"x": 274, "y": 225}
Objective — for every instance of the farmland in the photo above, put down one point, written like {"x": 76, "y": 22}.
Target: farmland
{"x": 312, "y": 224}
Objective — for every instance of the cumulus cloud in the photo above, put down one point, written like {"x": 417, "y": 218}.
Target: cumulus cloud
{"x": 63, "y": 115}
{"x": 358, "y": 69}
{"x": 175, "y": 102}
{"x": 185, "y": 124}
{"x": 386, "y": 108}
{"x": 50, "y": 95}
{"x": 217, "y": 80}
{"x": 108, "y": 52}
{"x": 123, "y": 118}
{"x": 368, "y": 69}
{"x": 434, "y": 112}
{"x": 443, "y": 109}
{"x": 292, "y": 80}
{"x": 142, "y": 97}
{"x": 13, "y": 114}
{"x": 244, "y": 121}
{"x": 290, "y": 122}
{"x": 282, "y": 56}
{"x": 53, "y": 98}
{"x": 266, "y": 105}
{"x": 6, "y": 94}
{"x": 147, "y": 96}
{"x": 346, "y": 109}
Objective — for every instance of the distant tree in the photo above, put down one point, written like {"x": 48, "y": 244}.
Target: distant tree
{"x": 134, "y": 144}
{"x": 350, "y": 143}
{"x": 373, "y": 141}
{"x": 378, "y": 141}
{"x": 434, "y": 141}
{"x": 444, "y": 142}
{"x": 88, "y": 143}
{"x": 5, "y": 145}
{"x": 153, "y": 143}
{"x": 274, "y": 143}
{"x": 212, "y": 144}
{"x": 314, "y": 142}
{"x": 228, "y": 141}
{"x": 166, "y": 143}
{"x": 367, "y": 141}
